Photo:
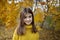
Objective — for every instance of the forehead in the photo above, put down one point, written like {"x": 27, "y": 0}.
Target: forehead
{"x": 27, "y": 14}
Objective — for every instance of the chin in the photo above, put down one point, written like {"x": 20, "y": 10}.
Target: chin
{"x": 28, "y": 23}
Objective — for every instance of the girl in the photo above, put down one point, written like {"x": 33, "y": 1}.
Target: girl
{"x": 27, "y": 29}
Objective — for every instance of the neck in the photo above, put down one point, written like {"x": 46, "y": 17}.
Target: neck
{"x": 28, "y": 26}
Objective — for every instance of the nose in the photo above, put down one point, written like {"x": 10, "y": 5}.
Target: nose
{"x": 27, "y": 19}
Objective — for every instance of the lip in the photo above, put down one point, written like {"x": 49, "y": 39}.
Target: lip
{"x": 28, "y": 21}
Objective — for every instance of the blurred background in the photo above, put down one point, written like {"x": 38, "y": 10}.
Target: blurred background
{"x": 46, "y": 14}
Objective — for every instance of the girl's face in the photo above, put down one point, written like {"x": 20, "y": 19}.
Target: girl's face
{"x": 28, "y": 18}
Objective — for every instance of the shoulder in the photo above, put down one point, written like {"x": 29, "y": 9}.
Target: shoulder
{"x": 15, "y": 31}
{"x": 15, "y": 36}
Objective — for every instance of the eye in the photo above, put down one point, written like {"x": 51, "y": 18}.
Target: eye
{"x": 29, "y": 16}
{"x": 25, "y": 17}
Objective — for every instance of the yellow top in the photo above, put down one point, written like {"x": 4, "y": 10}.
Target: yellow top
{"x": 28, "y": 36}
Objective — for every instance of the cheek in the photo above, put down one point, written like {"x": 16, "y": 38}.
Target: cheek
{"x": 30, "y": 19}
{"x": 24, "y": 20}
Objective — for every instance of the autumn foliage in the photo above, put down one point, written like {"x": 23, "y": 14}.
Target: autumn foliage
{"x": 9, "y": 12}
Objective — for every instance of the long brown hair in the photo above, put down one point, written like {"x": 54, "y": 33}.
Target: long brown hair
{"x": 21, "y": 29}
